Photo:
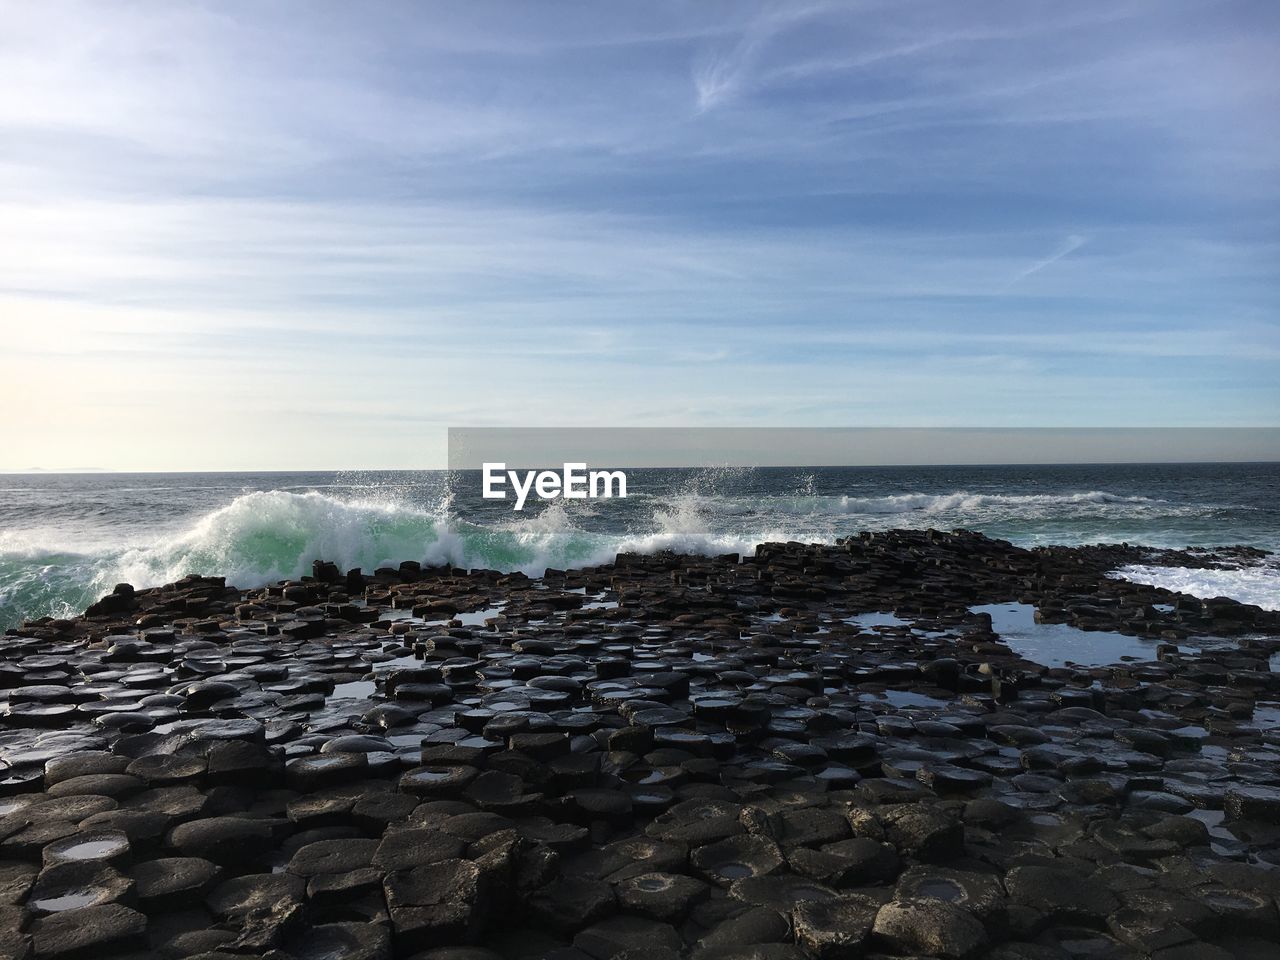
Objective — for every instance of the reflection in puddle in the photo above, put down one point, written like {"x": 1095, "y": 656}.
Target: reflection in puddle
{"x": 1056, "y": 644}
{"x": 68, "y": 901}
{"x": 904, "y": 698}
{"x": 1266, "y": 716}
{"x": 881, "y": 619}
{"x": 355, "y": 690}
{"x": 476, "y": 618}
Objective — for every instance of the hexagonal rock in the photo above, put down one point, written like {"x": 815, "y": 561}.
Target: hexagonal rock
{"x": 83, "y": 764}
{"x": 89, "y": 933}
{"x": 1253, "y": 803}
{"x": 781, "y": 891}
{"x": 433, "y": 782}
{"x": 228, "y": 841}
{"x": 697, "y": 821}
{"x": 835, "y": 929}
{"x": 406, "y": 847}
{"x": 307, "y": 774}
{"x": 350, "y": 941}
{"x": 609, "y": 938}
{"x": 332, "y": 856}
{"x": 979, "y": 893}
{"x": 254, "y": 895}
{"x": 628, "y": 858}
{"x": 433, "y": 904}
{"x": 114, "y": 785}
{"x": 927, "y": 833}
{"x": 104, "y": 846}
{"x": 15, "y": 881}
{"x": 173, "y": 882}
{"x": 848, "y": 863}
{"x": 73, "y": 884}
{"x": 1060, "y": 893}
{"x": 735, "y": 859}
{"x": 268, "y": 908}
{"x": 929, "y": 927}
{"x": 755, "y": 925}
{"x": 661, "y": 896}
{"x": 571, "y": 903}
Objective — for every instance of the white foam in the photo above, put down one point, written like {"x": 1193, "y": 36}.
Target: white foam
{"x": 1257, "y": 584}
{"x": 1007, "y": 504}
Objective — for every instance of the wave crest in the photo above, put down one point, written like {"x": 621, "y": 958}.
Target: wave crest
{"x": 964, "y": 502}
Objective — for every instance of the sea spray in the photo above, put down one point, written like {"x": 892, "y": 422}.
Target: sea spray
{"x": 65, "y": 541}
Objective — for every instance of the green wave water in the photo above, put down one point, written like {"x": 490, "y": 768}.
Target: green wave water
{"x": 65, "y": 540}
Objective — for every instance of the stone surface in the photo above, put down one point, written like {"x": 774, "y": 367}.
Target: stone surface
{"x": 656, "y": 758}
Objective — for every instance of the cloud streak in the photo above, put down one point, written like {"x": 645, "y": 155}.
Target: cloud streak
{"x": 1068, "y": 246}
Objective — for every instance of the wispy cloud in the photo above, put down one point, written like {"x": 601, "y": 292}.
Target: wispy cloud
{"x": 1067, "y": 247}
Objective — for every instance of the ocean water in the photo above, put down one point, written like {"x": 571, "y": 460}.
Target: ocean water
{"x": 65, "y": 539}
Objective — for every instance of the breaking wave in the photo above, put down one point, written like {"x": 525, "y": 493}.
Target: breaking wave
{"x": 978, "y": 504}
{"x": 274, "y": 534}
{"x": 266, "y": 536}
{"x": 1258, "y": 584}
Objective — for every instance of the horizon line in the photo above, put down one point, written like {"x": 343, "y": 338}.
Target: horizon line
{"x": 100, "y": 471}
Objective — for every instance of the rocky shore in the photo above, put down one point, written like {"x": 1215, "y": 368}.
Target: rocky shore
{"x": 813, "y": 752}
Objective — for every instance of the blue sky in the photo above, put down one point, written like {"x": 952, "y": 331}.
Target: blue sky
{"x": 297, "y": 235}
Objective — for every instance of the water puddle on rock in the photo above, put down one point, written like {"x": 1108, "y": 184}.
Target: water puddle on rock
{"x": 68, "y": 901}
{"x": 880, "y": 619}
{"x": 904, "y": 698}
{"x": 946, "y": 890}
{"x": 1266, "y": 715}
{"x": 476, "y": 618}
{"x": 1056, "y": 644}
{"x": 92, "y": 850}
{"x": 355, "y": 690}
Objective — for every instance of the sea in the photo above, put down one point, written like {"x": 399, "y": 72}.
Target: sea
{"x": 66, "y": 539}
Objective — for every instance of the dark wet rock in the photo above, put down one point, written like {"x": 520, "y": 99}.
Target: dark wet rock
{"x": 115, "y": 785}
{"x": 307, "y": 774}
{"x": 89, "y": 932}
{"x": 437, "y": 781}
{"x": 348, "y": 941}
{"x": 255, "y": 895}
{"x": 434, "y": 903}
{"x": 835, "y": 929}
{"x": 612, "y": 937}
{"x": 227, "y": 841}
{"x": 71, "y": 885}
{"x": 780, "y": 892}
{"x": 736, "y": 858}
{"x": 1060, "y": 893}
{"x": 167, "y": 769}
{"x": 660, "y": 896}
{"x": 404, "y": 848}
{"x": 171, "y": 883}
{"x": 931, "y": 927}
{"x": 981, "y": 894}
{"x": 102, "y": 846}
{"x": 726, "y": 752}
{"x": 745, "y": 927}
{"x": 83, "y": 764}
{"x": 848, "y": 863}
{"x": 267, "y": 908}
{"x": 929, "y": 833}
{"x": 570, "y": 903}
{"x": 15, "y": 881}
{"x": 332, "y": 856}
{"x": 1253, "y": 803}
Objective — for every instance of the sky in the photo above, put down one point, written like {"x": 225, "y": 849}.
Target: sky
{"x": 315, "y": 235}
